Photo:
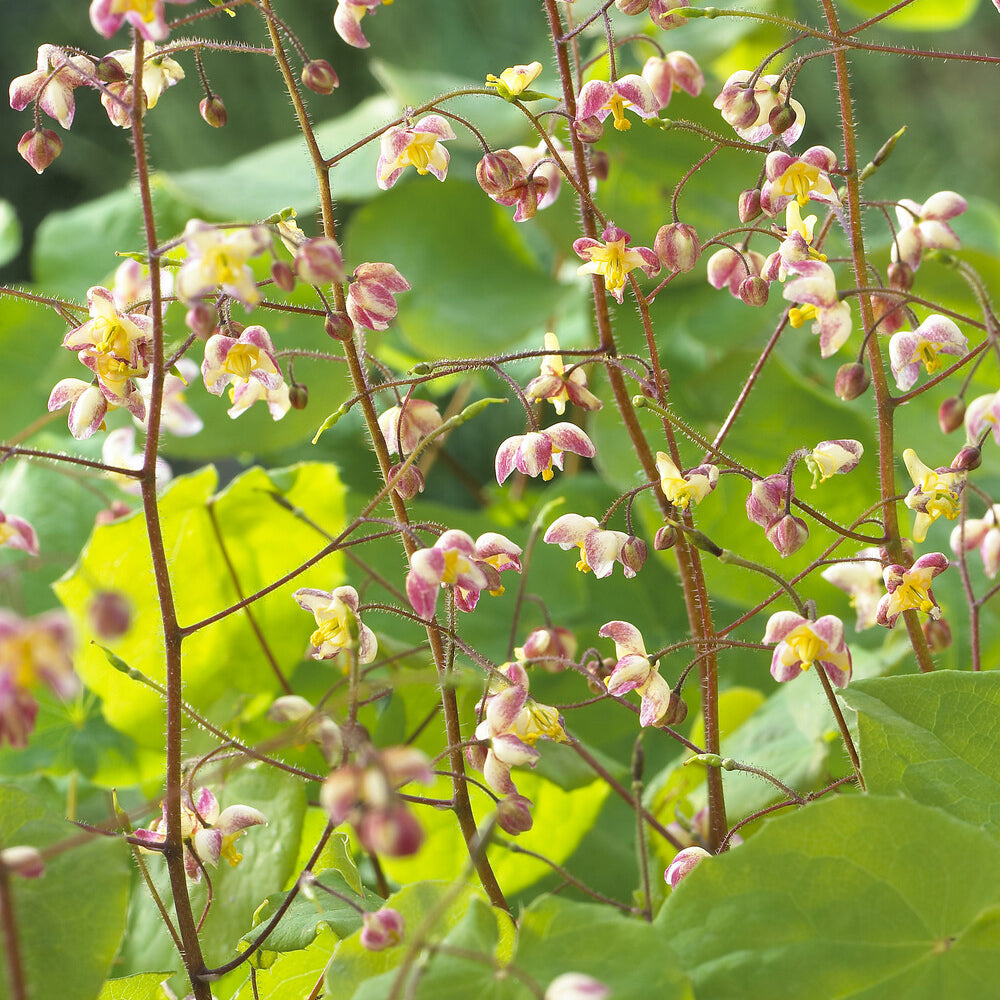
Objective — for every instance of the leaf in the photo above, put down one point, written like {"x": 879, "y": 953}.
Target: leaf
{"x": 262, "y": 540}
{"x": 10, "y": 232}
{"x": 294, "y": 973}
{"x": 934, "y": 738}
{"x": 844, "y": 899}
{"x": 76, "y": 910}
{"x": 928, "y": 15}
{"x": 144, "y": 986}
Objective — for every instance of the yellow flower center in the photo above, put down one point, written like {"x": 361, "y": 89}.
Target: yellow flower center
{"x": 333, "y": 630}
{"x": 228, "y": 849}
{"x": 6, "y": 532}
{"x": 799, "y": 179}
{"x": 241, "y": 360}
{"x": 110, "y": 337}
{"x": 612, "y": 263}
{"x": 455, "y": 564}
{"x": 616, "y": 105}
{"x": 800, "y": 315}
{"x": 224, "y": 266}
{"x": 418, "y": 153}
{"x": 911, "y": 595}
{"x": 805, "y": 644}
{"x": 146, "y": 9}
{"x": 582, "y": 565}
{"x": 927, "y": 355}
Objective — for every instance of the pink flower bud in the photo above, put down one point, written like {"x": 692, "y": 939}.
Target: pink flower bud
{"x": 754, "y": 290}
{"x": 632, "y": 7}
{"x": 576, "y": 986}
{"x": 600, "y": 165}
{"x": 851, "y": 381}
{"x": 298, "y": 396}
{"x": 202, "y": 319}
{"x": 900, "y": 276}
{"x": 781, "y": 118}
{"x": 514, "y": 814}
{"x": 382, "y": 929}
{"x": 968, "y": 459}
{"x": 410, "y": 483}
{"x": 749, "y": 205}
{"x": 767, "y": 497}
{"x": 665, "y": 538}
{"x": 633, "y": 555}
{"x": 282, "y": 275}
{"x": 213, "y": 111}
{"x": 498, "y": 172}
{"x": 339, "y": 326}
{"x": 740, "y": 108}
{"x": 676, "y": 712}
{"x": 110, "y": 614}
{"x": 109, "y": 70}
{"x": 23, "y": 860}
{"x": 320, "y": 261}
{"x": 320, "y": 77}
{"x": 588, "y": 129}
{"x": 787, "y": 534}
{"x": 393, "y": 831}
{"x": 39, "y": 148}
{"x": 937, "y": 632}
{"x": 677, "y": 246}
{"x": 683, "y": 864}
{"x": 951, "y": 414}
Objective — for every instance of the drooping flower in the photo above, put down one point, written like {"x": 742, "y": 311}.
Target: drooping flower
{"x": 87, "y": 405}
{"x": 17, "y": 533}
{"x": 815, "y": 285}
{"x": 685, "y": 488}
{"x": 546, "y": 175}
{"x": 159, "y": 73}
{"x": 176, "y": 417}
{"x": 925, "y": 227}
{"x": 982, "y": 415}
{"x": 109, "y": 331}
{"x": 417, "y": 145}
{"x": 514, "y": 80}
{"x": 249, "y": 356}
{"x": 683, "y": 864}
{"x": 208, "y": 834}
{"x": 56, "y": 76}
{"x": 831, "y": 458}
{"x": 311, "y": 725}
{"x": 981, "y": 533}
{"x": 613, "y": 259}
{"x": 347, "y": 20}
{"x": 552, "y": 649}
{"x": 599, "y": 98}
{"x": 243, "y": 395}
{"x": 600, "y": 548}
{"x": 371, "y": 301}
{"x": 861, "y": 579}
{"x": 338, "y": 626}
{"x": 676, "y": 71}
{"x": 729, "y": 269}
{"x": 576, "y": 986}
{"x": 23, "y": 860}
{"x": 937, "y": 335}
{"x": 634, "y": 672}
{"x": 217, "y": 258}
{"x": 537, "y": 451}
{"x": 559, "y": 388}
{"x": 382, "y": 929}
{"x": 803, "y": 178}
{"x": 910, "y": 589}
{"x": 148, "y": 17}
{"x": 936, "y": 493}
{"x": 404, "y": 427}
{"x": 119, "y": 450}
{"x": 802, "y": 642}
{"x": 748, "y": 109}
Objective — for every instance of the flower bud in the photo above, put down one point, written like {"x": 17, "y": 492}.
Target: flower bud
{"x": 969, "y": 458}
{"x": 851, "y": 381}
{"x": 110, "y": 614}
{"x": 498, "y": 172}
{"x": 781, "y": 118}
{"x": 382, "y": 929}
{"x": 410, "y": 483}
{"x": 23, "y": 860}
{"x": 213, "y": 111}
{"x": 900, "y": 276}
{"x": 39, "y": 148}
{"x": 749, "y": 205}
{"x": 600, "y": 165}
{"x": 109, "y": 70}
{"x": 320, "y": 77}
{"x": 951, "y": 414}
{"x": 787, "y": 534}
{"x": 339, "y": 326}
{"x": 767, "y": 497}
{"x": 634, "y": 554}
{"x": 298, "y": 396}
{"x": 677, "y": 246}
{"x": 632, "y": 7}
{"x": 392, "y": 830}
{"x": 514, "y": 814}
{"x": 588, "y": 129}
{"x": 282, "y": 275}
{"x": 320, "y": 261}
{"x": 741, "y": 109}
{"x": 576, "y": 986}
{"x": 665, "y": 538}
{"x": 677, "y": 710}
{"x": 754, "y": 290}
{"x": 683, "y": 864}
{"x": 202, "y": 319}
{"x": 937, "y": 632}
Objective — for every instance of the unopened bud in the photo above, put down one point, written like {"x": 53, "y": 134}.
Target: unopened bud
{"x": 634, "y": 554}
{"x": 665, "y": 538}
{"x": 514, "y": 814}
{"x": 282, "y": 275}
{"x": 754, "y": 290}
{"x": 749, "y": 205}
{"x": 787, "y": 534}
{"x": 497, "y": 172}
{"x": 298, "y": 396}
{"x": 320, "y": 77}
{"x": 851, "y": 381}
{"x": 683, "y": 864}
{"x": 951, "y": 414}
{"x": 600, "y": 165}
{"x": 677, "y": 710}
{"x": 900, "y": 276}
{"x": 392, "y": 830}
{"x": 632, "y": 7}
{"x": 23, "y": 860}
{"x": 339, "y": 326}
{"x": 781, "y": 118}
{"x": 410, "y": 483}
{"x": 677, "y": 246}
{"x": 969, "y": 458}
{"x": 742, "y": 109}
{"x": 938, "y": 634}
{"x": 110, "y": 614}
{"x": 213, "y": 111}
{"x": 109, "y": 70}
{"x": 39, "y": 147}
{"x": 882, "y": 155}
{"x": 202, "y": 319}
{"x": 320, "y": 261}
{"x": 588, "y": 129}
{"x": 701, "y": 541}
{"x": 382, "y": 929}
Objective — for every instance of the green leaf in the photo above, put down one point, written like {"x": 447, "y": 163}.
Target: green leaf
{"x": 145, "y": 986}
{"x": 928, "y": 15}
{"x": 857, "y": 896}
{"x": 76, "y": 911}
{"x": 263, "y": 541}
{"x": 10, "y": 232}
{"x": 934, "y": 738}
{"x": 293, "y": 974}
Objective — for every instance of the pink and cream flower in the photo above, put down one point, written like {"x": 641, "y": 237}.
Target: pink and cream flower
{"x": 937, "y": 335}
{"x": 404, "y": 427}
{"x": 815, "y": 287}
{"x": 600, "y": 548}
{"x": 925, "y": 227}
{"x": 981, "y": 533}
{"x": 17, "y": 533}
{"x": 861, "y": 580}
{"x": 748, "y": 109}
{"x": 552, "y": 649}
{"x": 634, "y": 672}
{"x": 936, "y": 493}
{"x": 676, "y": 71}
{"x": 802, "y": 642}
{"x": 218, "y": 258}
{"x": 249, "y": 356}
{"x": 56, "y": 76}
{"x": 598, "y": 99}
{"x": 612, "y": 259}
{"x": 831, "y": 458}
{"x": 338, "y": 625}
{"x": 683, "y": 489}
{"x": 371, "y": 297}
{"x": 113, "y": 333}
{"x": 418, "y": 146}
{"x": 243, "y": 395}
{"x": 728, "y": 268}
{"x": 514, "y": 80}
{"x": 910, "y": 589}
{"x": 559, "y": 387}
{"x": 148, "y": 17}
{"x": 803, "y": 178}
{"x": 159, "y": 73}
{"x": 538, "y": 451}
{"x": 347, "y": 20}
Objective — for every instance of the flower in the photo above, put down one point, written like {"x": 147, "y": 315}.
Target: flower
{"x": 244, "y": 394}
{"x": 923, "y": 227}
{"x": 815, "y": 285}
{"x": 119, "y": 450}
{"x": 802, "y": 642}
{"x": 576, "y": 986}
{"x": 88, "y": 407}
{"x": 347, "y": 20}
{"x": 549, "y": 648}
{"x": 558, "y": 387}
{"x": 980, "y": 533}
{"x": 677, "y": 71}
{"x": 56, "y": 76}
{"x": 23, "y": 860}
{"x": 146, "y": 16}
{"x": 683, "y": 864}
{"x": 537, "y": 451}
{"x": 456, "y": 560}
{"x": 404, "y": 427}
{"x": 382, "y": 929}
{"x": 126, "y": 337}
{"x": 17, "y": 533}
{"x": 738, "y": 102}
{"x": 685, "y": 488}
{"x": 338, "y": 626}
{"x": 613, "y": 260}
{"x": 418, "y": 145}
{"x": 910, "y": 589}
{"x": 250, "y": 356}
{"x": 218, "y": 258}
{"x": 176, "y": 417}
{"x": 936, "y": 493}
{"x": 371, "y": 299}
{"x": 38, "y": 148}
{"x": 33, "y": 651}
{"x": 634, "y": 672}
{"x": 208, "y": 834}
{"x": 983, "y": 415}
{"x": 831, "y": 458}
{"x": 862, "y": 580}
{"x": 514, "y": 80}
{"x": 660, "y": 13}
{"x": 598, "y": 99}
{"x": 312, "y": 725}
{"x": 729, "y": 268}
{"x": 599, "y": 548}
{"x": 541, "y": 168}
{"x": 799, "y": 178}
{"x": 158, "y": 74}
{"x": 937, "y": 335}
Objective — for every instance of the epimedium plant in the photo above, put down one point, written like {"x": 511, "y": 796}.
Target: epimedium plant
{"x": 438, "y": 758}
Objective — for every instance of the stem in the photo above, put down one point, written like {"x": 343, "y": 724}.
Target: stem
{"x": 11, "y": 945}
{"x": 841, "y": 723}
